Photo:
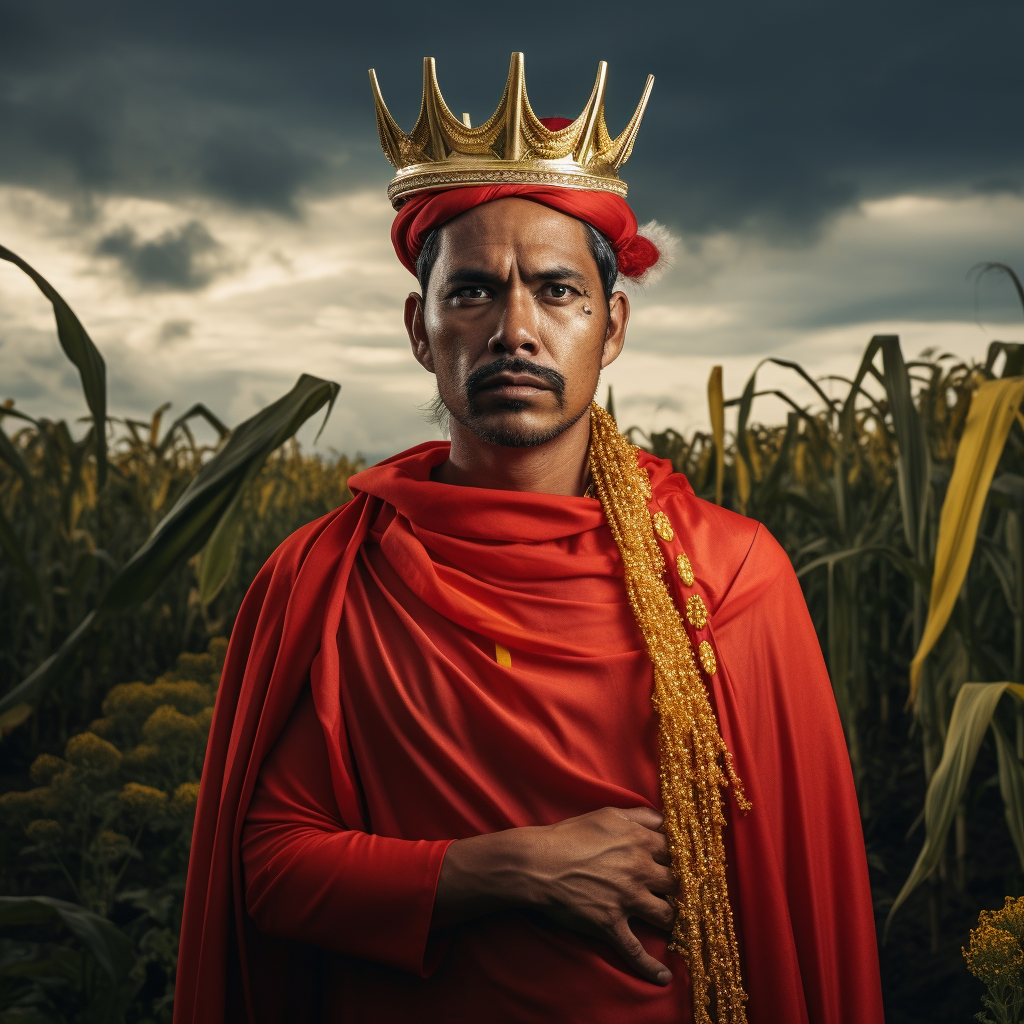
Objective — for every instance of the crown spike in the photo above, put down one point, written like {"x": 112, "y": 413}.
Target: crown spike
{"x": 621, "y": 148}
{"x": 431, "y": 94}
{"x": 391, "y": 136}
{"x": 595, "y": 105}
{"x": 515, "y": 94}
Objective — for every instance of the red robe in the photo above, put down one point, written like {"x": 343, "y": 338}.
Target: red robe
{"x": 432, "y": 662}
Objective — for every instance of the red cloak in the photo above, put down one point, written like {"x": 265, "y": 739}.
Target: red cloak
{"x": 430, "y": 662}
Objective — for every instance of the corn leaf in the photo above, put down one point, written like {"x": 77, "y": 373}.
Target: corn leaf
{"x": 992, "y": 413}
{"x": 33, "y": 686}
{"x": 912, "y": 464}
{"x": 716, "y": 406}
{"x": 12, "y": 548}
{"x": 192, "y": 521}
{"x": 79, "y": 348}
{"x": 10, "y": 454}
{"x": 110, "y": 947}
{"x": 972, "y": 715}
{"x": 1011, "y": 786}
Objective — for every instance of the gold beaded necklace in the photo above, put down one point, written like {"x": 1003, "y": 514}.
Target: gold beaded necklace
{"x": 695, "y": 765}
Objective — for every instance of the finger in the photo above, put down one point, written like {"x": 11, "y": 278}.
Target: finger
{"x": 655, "y": 911}
{"x": 657, "y": 844}
{"x": 646, "y": 816}
{"x": 661, "y": 880}
{"x": 630, "y": 949}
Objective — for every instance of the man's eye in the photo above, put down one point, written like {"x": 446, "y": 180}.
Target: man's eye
{"x": 474, "y": 292}
{"x": 559, "y": 291}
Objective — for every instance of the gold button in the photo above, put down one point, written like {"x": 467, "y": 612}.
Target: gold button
{"x": 684, "y": 569}
{"x": 696, "y": 611}
{"x": 663, "y": 527}
{"x": 707, "y": 657}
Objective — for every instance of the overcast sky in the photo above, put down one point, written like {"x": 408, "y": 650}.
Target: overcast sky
{"x": 204, "y": 184}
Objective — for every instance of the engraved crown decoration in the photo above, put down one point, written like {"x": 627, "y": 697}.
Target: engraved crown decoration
{"x": 512, "y": 147}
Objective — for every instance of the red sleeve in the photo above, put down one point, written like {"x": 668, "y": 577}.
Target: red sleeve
{"x": 310, "y": 879}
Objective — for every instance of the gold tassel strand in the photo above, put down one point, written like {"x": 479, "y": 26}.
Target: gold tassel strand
{"x": 695, "y": 763}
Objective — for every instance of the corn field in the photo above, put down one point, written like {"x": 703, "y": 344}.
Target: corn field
{"x": 127, "y": 550}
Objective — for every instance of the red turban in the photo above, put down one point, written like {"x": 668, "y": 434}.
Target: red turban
{"x": 609, "y": 213}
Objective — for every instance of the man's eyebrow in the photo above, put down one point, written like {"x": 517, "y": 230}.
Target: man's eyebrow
{"x": 473, "y": 275}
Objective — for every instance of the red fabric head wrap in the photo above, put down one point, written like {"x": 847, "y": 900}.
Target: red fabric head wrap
{"x": 609, "y": 213}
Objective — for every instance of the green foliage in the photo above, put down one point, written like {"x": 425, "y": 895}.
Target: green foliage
{"x": 109, "y": 825}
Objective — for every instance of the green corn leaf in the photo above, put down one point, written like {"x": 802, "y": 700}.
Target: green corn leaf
{"x": 191, "y": 523}
{"x": 79, "y": 348}
{"x": 10, "y": 454}
{"x": 12, "y": 548}
{"x": 972, "y": 715}
{"x": 220, "y": 551}
{"x": 33, "y": 686}
{"x": 912, "y": 463}
{"x": 110, "y": 947}
{"x": 197, "y": 410}
{"x": 1011, "y": 786}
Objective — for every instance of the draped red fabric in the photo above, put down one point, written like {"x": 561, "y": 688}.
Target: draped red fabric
{"x": 609, "y": 213}
{"x": 366, "y": 718}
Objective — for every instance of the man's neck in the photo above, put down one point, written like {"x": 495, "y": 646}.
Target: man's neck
{"x": 559, "y": 466}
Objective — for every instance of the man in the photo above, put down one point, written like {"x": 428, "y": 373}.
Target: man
{"x": 526, "y": 731}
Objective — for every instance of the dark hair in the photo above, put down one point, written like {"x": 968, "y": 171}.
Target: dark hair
{"x": 600, "y": 248}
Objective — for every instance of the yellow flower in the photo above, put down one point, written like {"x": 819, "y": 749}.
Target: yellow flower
{"x": 141, "y": 757}
{"x": 995, "y": 956}
{"x": 132, "y": 701}
{"x": 203, "y": 719}
{"x": 142, "y": 801}
{"x": 88, "y": 751}
{"x": 169, "y": 727}
{"x": 185, "y": 798}
{"x": 194, "y": 666}
{"x": 102, "y": 727}
{"x": 20, "y": 805}
{"x": 44, "y": 830}
{"x": 44, "y": 767}
{"x": 110, "y": 846}
{"x": 187, "y": 696}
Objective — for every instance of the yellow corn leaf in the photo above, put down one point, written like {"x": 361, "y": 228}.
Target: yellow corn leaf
{"x": 742, "y": 483}
{"x": 972, "y": 716}
{"x": 992, "y": 412}
{"x": 716, "y": 404}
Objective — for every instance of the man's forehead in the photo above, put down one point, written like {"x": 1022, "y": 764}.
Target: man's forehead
{"x": 533, "y": 235}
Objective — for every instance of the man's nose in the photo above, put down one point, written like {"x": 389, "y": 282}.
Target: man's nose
{"x": 516, "y": 332}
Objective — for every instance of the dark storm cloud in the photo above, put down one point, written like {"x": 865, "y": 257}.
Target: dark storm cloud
{"x": 767, "y": 118}
{"x": 180, "y": 259}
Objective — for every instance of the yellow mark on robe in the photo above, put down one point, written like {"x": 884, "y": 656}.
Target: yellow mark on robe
{"x": 502, "y": 656}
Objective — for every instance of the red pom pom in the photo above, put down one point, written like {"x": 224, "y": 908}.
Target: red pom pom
{"x": 637, "y": 256}
{"x": 555, "y": 124}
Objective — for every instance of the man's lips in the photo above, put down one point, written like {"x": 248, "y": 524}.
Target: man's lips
{"x": 515, "y": 381}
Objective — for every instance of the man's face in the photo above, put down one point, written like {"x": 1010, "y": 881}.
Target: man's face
{"x": 515, "y": 323}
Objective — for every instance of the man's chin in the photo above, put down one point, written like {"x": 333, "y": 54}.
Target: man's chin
{"x": 518, "y": 429}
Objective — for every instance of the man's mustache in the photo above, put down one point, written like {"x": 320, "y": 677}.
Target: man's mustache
{"x": 480, "y": 378}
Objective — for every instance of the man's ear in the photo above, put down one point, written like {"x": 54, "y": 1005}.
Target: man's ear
{"x": 416, "y": 328}
{"x": 615, "y": 330}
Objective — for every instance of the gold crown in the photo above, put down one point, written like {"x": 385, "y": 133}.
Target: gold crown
{"x": 512, "y": 147}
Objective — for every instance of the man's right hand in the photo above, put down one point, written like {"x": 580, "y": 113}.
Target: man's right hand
{"x": 590, "y": 873}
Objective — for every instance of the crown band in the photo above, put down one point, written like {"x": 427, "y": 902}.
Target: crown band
{"x": 425, "y": 181}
